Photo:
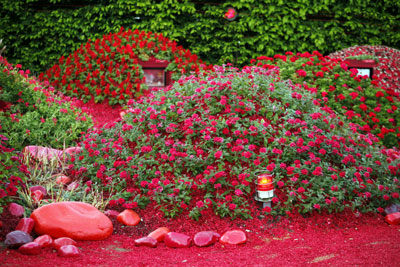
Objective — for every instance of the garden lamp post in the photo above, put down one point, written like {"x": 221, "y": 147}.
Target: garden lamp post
{"x": 264, "y": 189}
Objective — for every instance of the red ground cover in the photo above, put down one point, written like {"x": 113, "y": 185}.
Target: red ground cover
{"x": 343, "y": 239}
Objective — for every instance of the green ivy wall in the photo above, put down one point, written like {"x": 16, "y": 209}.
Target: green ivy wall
{"x": 38, "y": 32}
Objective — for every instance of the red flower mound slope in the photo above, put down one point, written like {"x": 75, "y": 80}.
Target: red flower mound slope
{"x": 108, "y": 68}
{"x": 199, "y": 146}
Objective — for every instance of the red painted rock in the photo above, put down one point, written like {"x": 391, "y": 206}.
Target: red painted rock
{"x": 177, "y": 240}
{"x": 72, "y": 186}
{"x": 128, "y": 217}
{"x": 37, "y": 196}
{"x": 159, "y": 234}
{"x": 73, "y": 150}
{"x": 233, "y": 237}
{"x": 62, "y": 179}
{"x": 16, "y": 209}
{"x": 44, "y": 241}
{"x": 31, "y": 248}
{"x": 68, "y": 251}
{"x": 205, "y": 238}
{"x": 111, "y": 213}
{"x": 26, "y": 225}
{"x": 393, "y": 218}
{"x": 146, "y": 242}
{"x": 62, "y": 241}
{"x": 43, "y": 153}
{"x": 15, "y": 239}
{"x": 40, "y": 188}
{"x": 77, "y": 220}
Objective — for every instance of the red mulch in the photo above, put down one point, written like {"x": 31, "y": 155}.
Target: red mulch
{"x": 344, "y": 239}
{"x": 321, "y": 240}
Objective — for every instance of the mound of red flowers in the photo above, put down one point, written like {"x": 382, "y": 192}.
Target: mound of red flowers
{"x": 200, "y": 144}
{"x": 108, "y": 68}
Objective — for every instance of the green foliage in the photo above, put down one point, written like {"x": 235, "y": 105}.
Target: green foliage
{"x": 37, "y": 115}
{"x": 12, "y": 172}
{"x": 38, "y": 32}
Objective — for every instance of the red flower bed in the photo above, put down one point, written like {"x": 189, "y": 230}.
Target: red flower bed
{"x": 108, "y": 68}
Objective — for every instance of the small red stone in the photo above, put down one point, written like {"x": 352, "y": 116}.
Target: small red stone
{"x": 62, "y": 241}
{"x": 16, "y": 209}
{"x": 40, "y": 188}
{"x": 31, "y": 248}
{"x": 68, "y": 251}
{"x": 159, "y": 234}
{"x": 146, "y": 242}
{"x": 393, "y": 218}
{"x": 128, "y": 217}
{"x": 233, "y": 237}
{"x": 111, "y": 213}
{"x": 205, "y": 238}
{"x": 73, "y": 150}
{"x": 63, "y": 179}
{"x": 44, "y": 241}
{"x": 37, "y": 195}
{"x": 72, "y": 186}
{"x": 177, "y": 240}
{"x": 26, "y": 225}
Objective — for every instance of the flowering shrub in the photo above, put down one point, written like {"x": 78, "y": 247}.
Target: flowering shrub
{"x": 108, "y": 67}
{"x": 200, "y": 145}
{"x": 36, "y": 114}
{"x": 12, "y": 172}
{"x": 356, "y": 97}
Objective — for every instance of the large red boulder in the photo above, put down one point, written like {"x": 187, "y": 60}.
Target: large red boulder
{"x": 77, "y": 220}
{"x": 233, "y": 237}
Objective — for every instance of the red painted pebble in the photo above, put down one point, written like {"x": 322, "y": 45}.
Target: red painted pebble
{"x": 111, "y": 213}
{"x": 233, "y": 237}
{"x": 16, "y": 209}
{"x": 159, "y": 234}
{"x": 393, "y": 218}
{"x": 205, "y": 238}
{"x": 44, "y": 241}
{"x": 31, "y": 248}
{"x": 77, "y": 220}
{"x": 177, "y": 240}
{"x": 68, "y": 251}
{"x": 62, "y": 179}
{"x": 62, "y": 241}
{"x": 38, "y": 187}
{"x": 37, "y": 195}
{"x": 26, "y": 225}
{"x": 72, "y": 186}
{"x": 146, "y": 242}
{"x": 73, "y": 150}
{"x": 128, "y": 217}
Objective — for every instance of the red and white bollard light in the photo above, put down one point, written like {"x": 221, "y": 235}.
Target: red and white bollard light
{"x": 265, "y": 189}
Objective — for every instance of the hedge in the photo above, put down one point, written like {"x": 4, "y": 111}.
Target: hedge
{"x": 38, "y": 32}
